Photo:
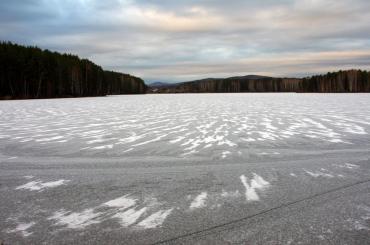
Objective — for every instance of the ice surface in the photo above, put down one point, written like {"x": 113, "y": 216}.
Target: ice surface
{"x": 186, "y": 161}
{"x": 216, "y": 125}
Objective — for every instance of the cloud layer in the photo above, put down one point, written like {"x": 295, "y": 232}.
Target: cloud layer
{"x": 181, "y": 40}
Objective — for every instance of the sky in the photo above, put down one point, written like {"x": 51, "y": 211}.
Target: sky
{"x": 183, "y": 40}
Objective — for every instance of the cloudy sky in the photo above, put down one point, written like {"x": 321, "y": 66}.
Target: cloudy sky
{"x": 180, "y": 40}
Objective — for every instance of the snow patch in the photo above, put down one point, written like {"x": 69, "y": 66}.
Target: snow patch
{"x": 155, "y": 220}
{"x": 178, "y": 139}
{"x": 231, "y": 194}
{"x": 130, "y": 216}
{"x": 347, "y": 165}
{"x": 121, "y": 202}
{"x": 128, "y": 150}
{"x": 358, "y": 225}
{"x": 257, "y": 183}
{"x": 199, "y": 201}
{"x": 38, "y": 185}
{"x": 75, "y": 220}
{"x": 22, "y": 229}
{"x": 268, "y": 153}
{"x": 49, "y": 139}
{"x": 225, "y": 154}
{"x": 102, "y": 147}
{"x": 318, "y": 174}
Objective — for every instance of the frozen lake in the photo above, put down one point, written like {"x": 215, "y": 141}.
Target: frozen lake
{"x": 186, "y": 168}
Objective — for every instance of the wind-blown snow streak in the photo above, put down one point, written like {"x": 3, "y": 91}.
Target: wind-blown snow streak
{"x": 127, "y": 210}
{"x": 317, "y": 174}
{"x": 130, "y": 216}
{"x": 347, "y": 165}
{"x": 121, "y": 202}
{"x": 75, "y": 220}
{"x": 199, "y": 201}
{"x": 22, "y": 229}
{"x": 155, "y": 220}
{"x": 230, "y": 194}
{"x": 257, "y": 183}
{"x": 38, "y": 185}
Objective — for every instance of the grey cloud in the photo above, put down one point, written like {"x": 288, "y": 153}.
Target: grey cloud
{"x": 174, "y": 40}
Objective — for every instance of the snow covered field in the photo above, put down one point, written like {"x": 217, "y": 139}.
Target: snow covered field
{"x": 195, "y": 167}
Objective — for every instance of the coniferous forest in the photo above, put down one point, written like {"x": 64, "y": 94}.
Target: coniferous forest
{"x": 29, "y": 72}
{"x": 351, "y": 81}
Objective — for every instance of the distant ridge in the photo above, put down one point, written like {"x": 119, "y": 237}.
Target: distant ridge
{"x": 250, "y": 77}
{"x": 161, "y": 84}
{"x": 350, "y": 81}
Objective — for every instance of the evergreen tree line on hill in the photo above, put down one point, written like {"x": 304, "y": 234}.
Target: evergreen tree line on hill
{"x": 29, "y": 72}
{"x": 351, "y": 81}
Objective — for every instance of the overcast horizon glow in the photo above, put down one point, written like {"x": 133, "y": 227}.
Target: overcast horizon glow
{"x": 183, "y": 40}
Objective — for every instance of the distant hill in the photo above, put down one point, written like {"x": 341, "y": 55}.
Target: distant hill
{"x": 29, "y": 72}
{"x": 250, "y": 77}
{"x": 161, "y": 85}
{"x": 332, "y": 82}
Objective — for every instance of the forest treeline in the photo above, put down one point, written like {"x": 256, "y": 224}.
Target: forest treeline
{"x": 351, "y": 81}
{"x": 29, "y": 72}
{"x": 333, "y": 82}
